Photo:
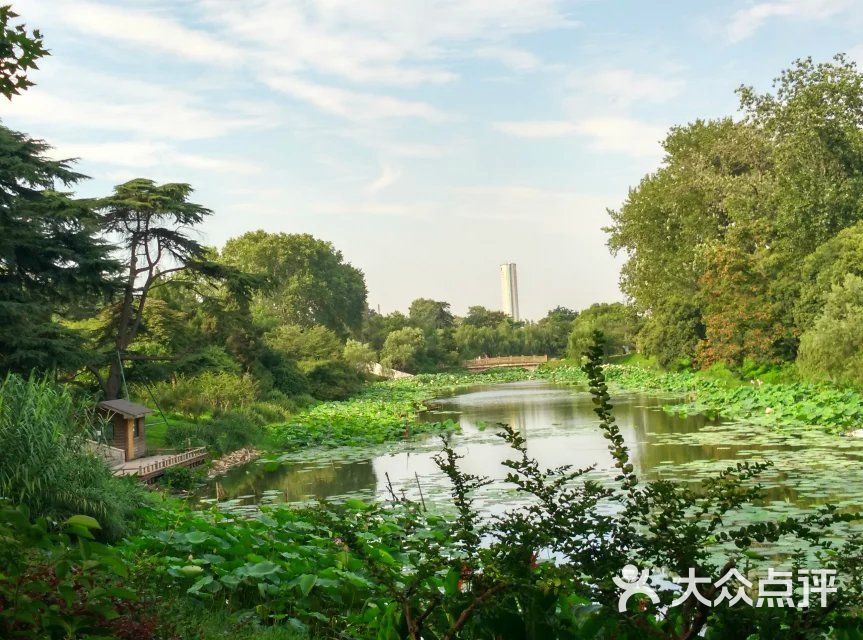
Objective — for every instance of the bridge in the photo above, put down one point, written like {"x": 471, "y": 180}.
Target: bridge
{"x": 509, "y": 362}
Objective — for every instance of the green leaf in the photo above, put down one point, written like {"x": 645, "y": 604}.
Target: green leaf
{"x": 307, "y": 582}
{"x": 87, "y": 522}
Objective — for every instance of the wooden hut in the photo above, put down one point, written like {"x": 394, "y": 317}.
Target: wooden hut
{"x": 128, "y": 420}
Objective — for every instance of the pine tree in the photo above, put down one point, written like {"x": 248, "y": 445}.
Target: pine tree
{"x": 50, "y": 256}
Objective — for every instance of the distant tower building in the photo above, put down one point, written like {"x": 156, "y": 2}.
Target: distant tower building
{"x": 509, "y": 290}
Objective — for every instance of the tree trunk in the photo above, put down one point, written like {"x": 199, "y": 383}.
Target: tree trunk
{"x": 114, "y": 381}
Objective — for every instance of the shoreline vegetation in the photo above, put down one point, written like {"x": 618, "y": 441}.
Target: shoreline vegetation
{"x": 394, "y": 570}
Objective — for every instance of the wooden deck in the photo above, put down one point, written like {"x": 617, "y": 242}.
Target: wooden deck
{"x": 149, "y": 468}
{"x": 524, "y": 362}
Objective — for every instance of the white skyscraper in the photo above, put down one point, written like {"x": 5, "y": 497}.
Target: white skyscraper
{"x": 509, "y": 289}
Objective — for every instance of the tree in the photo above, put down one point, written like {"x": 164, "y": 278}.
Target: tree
{"x": 430, "y": 315}
{"x": 672, "y": 333}
{"x": 736, "y": 208}
{"x": 403, "y": 348}
{"x": 359, "y": 354}
{"x": 309, "y": 283}
{"x": 376, "y": 327}
{"x": 19, "y": 51}
{"x": 150, "y": 224}
{"x": 832, "y": 348}
{"x": 479, "y": 316}
{"x": 51, "y": 256}
{"x": 298, "y": 343}
{"x": 619, "y": 323}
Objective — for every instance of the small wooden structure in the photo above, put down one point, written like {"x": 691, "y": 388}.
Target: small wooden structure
{"x": 523, "y": 362}
{"x": 129, "y": 420}
{"x": 130, "y": 436}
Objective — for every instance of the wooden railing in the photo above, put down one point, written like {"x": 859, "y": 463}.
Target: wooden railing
{"x": 505, "y": 361}
{"x": 186, "y": 458}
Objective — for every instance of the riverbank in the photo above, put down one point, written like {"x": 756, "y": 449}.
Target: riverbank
{"x": 789, "y": 404}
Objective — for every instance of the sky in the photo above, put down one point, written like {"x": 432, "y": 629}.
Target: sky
{"x": 428, "y": 140}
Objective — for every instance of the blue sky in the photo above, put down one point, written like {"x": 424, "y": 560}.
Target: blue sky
{"x": 428, "y": 140}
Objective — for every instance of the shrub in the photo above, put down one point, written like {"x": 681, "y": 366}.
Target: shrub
{"x": 333, "y": 379}
{"x": 832, "y": 348}
{"x": 359, "y": 354}
{"x": 210, "y": 392}
{"x": 298, "y": 343}
{"x": 403, "y": 348}
{"x": 44, "y": 464}
{"x": 227, "y": 432}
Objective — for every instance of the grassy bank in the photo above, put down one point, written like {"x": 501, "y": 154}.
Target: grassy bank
{"x": 772, "y": 404}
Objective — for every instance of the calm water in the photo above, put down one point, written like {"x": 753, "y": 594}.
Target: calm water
{"x": 560, "y": 428}
{"x": 558, "y": 423}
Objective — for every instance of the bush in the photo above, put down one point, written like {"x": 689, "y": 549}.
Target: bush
{"x": 210, "y": 392}
{"x": 403, "y": 349}
{"x": 297, "y": 343}
{"x": 832, "y": 348}
{"x": 333, "y": 379}
{"x": 359, "y": 355}
{"x": 44, "y": 464}
{"x": 221, "y": 435}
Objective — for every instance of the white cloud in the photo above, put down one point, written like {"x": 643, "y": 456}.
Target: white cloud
{"x": 144, "y": 155}
{"x": 626, "y": 87}
{"x": 355, "y": 105}
{"x": 388, "y": 176}
{"x": 144, "y": 29}
{"x": 393, "y": 209}
{"x": 607, "y": 133}
{"x": 146, "y": 110}
{"x": 537, "y": 128}
{"x": 368, "y": 41}
{"x": 745, "y": 22}
{"x": 512, "y": 57}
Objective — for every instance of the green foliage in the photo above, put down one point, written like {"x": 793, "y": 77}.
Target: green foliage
{"x": 832, "y": 348}
{"x": 618, "y": 321}
{"x": 403, "y": 348}
{"x": 62, "y": 585}
{"x": 479, "y": 316}
{"x": 150, "y": 225}
{"x": 212, "y": 392}
{"x": 728, "y": 225}
{"x": 430, "y": 315}
{"x": 358, "y": 422}
{"x": 332, "y": 379}
{"x": 221, "y": 434}
{"x": 51, "y": 257}
{"x": 45, "y": 465}
{"x": 298, "y": 343}
{"x": 359, "y": 355}
{"x": 19, "y": 52}
{"x": 672, "y": 334}
{"x": 182, "y": 478}
{"x": 309, "y": 281}
{"x": 393, "y": 571}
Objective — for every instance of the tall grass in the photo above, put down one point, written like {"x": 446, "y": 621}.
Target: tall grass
{"x": 43, "y": 462}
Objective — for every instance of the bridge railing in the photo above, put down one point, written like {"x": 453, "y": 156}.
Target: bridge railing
{"x": 505, "y": 361}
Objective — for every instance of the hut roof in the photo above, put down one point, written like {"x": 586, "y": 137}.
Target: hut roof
{"x": 125, "y": 408}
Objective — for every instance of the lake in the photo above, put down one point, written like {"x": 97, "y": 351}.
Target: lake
{"x": 560, "y": 428}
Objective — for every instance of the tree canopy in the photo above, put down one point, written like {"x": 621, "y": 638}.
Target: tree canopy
{"x": 308, "y": 281}
{"x": 725, "y": 225}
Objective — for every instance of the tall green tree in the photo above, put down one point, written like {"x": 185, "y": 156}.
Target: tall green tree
{"x": 430, "y": 315}
{"x": 51, "y": 257}
{"x": 309, "y": 282}
{"x": 729, "y": 218}
{"x": 150, "y": 225}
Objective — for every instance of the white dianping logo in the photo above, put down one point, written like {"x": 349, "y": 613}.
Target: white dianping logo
{"x": 776, "y": 590}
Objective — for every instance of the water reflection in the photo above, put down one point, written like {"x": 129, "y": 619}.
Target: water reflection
{"x": 558, "y": 423}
